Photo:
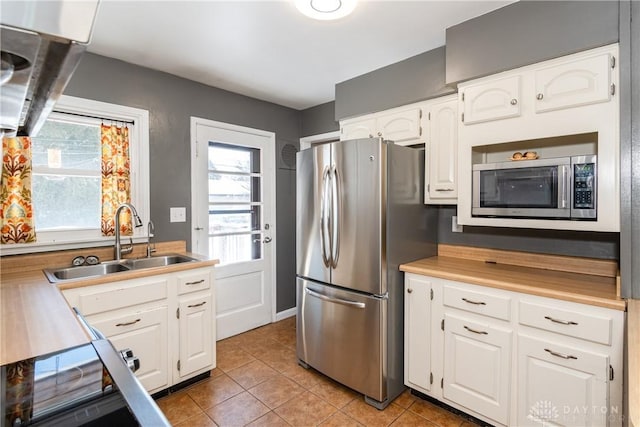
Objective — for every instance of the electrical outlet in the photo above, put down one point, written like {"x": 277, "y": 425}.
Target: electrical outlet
{"x": 455, "y": 227}
{"x": 177, "y": 214}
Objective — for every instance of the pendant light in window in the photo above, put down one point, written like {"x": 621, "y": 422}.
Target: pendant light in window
{"x": 326, "y": 10}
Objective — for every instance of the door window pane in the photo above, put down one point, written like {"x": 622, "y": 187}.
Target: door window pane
{"x": 236, "y": 248}
{"x": 227, "y": 188}
{"x": 233, "y": 218}
{"x": 230, "y": 158}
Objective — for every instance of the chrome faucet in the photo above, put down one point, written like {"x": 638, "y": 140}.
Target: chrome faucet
{"x": 137, "y": 222}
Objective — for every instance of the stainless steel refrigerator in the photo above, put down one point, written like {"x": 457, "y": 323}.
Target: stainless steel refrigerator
{"x": 360, "y": 214}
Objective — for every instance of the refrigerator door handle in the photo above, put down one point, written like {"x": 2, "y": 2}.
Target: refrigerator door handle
{"x": 335, "y": 215}
{"x": 335, "y": 300}
{"x": 324, "y": 210}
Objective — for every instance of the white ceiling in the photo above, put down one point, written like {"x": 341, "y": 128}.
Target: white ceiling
{"x": 267, "y": 49}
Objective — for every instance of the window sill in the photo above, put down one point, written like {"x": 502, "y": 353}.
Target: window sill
{"x": 27, "y": 248}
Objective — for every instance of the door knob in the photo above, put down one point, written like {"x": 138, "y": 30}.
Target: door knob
{"x": 267, "y": 240}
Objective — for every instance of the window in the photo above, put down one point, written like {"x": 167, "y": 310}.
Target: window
{"x": 66, "y": 182}
{"x": 234, "y": 202}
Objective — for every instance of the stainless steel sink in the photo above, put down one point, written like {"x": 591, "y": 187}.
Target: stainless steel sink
{"x": 157, "y": 261}
{"x": 59, "y": 274}
{"x": 55, "y": 275}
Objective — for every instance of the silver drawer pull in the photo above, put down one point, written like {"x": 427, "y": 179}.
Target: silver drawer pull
{"x": 474, "y": 302}
{"x": 128, "y": 323}
{"x": 562, "y": 322}
{"x": 476, "y": 331}
{"x": 197, "y": 282}
{"x": 197, "y": 305}
{"x": 564, "y": 356}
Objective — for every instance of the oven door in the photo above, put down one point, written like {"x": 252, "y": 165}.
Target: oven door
{"x": 531, "y": 189}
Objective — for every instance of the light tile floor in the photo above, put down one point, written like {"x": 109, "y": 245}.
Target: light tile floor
{"x": 258, "y": 382}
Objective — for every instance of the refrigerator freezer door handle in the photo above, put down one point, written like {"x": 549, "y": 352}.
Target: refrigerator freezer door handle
{"x": 324, "y": 210}
{"x": 335, "y": 215}
{"x": 335, "y": 300}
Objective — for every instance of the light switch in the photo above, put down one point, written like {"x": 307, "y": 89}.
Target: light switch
{"x": 177, "y": 214}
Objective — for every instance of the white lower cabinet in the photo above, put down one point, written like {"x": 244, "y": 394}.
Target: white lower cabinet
{"x": 145, "y": 333}
{"x": 417, "y": 312}
{"x": 513, "y": 359}
{"x": 561, "y": 384}
{"x": 196, "y": 334}
{"x": 167, "y": 320}
{"x": 477, "y": 366}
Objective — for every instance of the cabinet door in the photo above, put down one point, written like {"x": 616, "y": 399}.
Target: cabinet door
{"x": 359, "y": 129}
{"x": 579, "y": 82}
{"x": 417, "y": 336}
{"x": 146, "y": 334}
{"x": 492, "y": 100}
{"x": 561, "y": 384}
{"x": 401, "y": 127}
{"x": 196, "y": 334}
{"x": 477, "y": 366}
{"x": 443, "y": 152}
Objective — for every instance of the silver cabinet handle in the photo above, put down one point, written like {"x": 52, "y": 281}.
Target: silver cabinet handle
{"x": 474, "y": 302}
{"x": 563, "y": 356}
{"x": 197, "y": 282}
{"x": 198, "y": 228}
{"x": 379, "y": 133}
{"x": 562, "y": 322}
{"x": 475, "y": 331}
{"x": 409, "y": 290}
{"x": 539, "y": 97}
{"x": 335, "y": 300}
{"x": 128, "y": 323}
{"x": 514, "y": 101}
{"x": 444, "y": 189}
{"x": 197, "y": 305}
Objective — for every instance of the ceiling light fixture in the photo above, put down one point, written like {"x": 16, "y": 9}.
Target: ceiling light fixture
{"x": 325, "y": 10}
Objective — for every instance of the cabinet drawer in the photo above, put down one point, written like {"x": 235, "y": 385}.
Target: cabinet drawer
{"x": 570, "y": 321}
{"x": 125, "y": 295}
{"x": 193, "y": 282}
{"x": 487, "y": 304}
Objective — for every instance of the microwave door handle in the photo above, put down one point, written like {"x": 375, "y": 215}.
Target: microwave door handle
{"x": 563, "y": 198}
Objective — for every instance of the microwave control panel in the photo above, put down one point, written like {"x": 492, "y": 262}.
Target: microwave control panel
{"x": 584, "y": 179}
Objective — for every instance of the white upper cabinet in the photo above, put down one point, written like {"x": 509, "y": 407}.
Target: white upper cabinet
{"x": 400, "y": 126}
{"x": 442, "y": 152}
{"x": 491, "y": 100}
{"x": 403, "y": 125}
{"x": 574, "y": 83}
{"x": 358, "y": 129}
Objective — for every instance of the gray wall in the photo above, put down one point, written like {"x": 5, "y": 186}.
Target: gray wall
{"x": 319, "y": 119}
{"x": 557, "y": 242}
{"x": 527, "y": 32}
{"x": 171, "y": 101}
{"x": 414, "y": 79}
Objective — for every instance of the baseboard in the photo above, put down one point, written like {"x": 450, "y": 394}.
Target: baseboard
{"x": 285, "y": 314}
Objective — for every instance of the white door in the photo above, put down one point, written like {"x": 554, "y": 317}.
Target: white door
{"x": 233, "y": 219}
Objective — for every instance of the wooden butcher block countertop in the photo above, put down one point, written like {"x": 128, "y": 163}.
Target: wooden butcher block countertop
{"x": 583, "y": 280}
{"x": 36, "y": 318}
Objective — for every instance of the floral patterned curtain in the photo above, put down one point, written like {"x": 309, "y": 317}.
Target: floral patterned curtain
{"x": 16, "y": 209}
{"x": 116, "y": 185}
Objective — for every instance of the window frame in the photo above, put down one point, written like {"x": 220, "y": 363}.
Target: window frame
{"x": 139, "y": 161}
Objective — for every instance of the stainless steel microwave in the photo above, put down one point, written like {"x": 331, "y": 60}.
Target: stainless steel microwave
{"x": 558, "y": 188}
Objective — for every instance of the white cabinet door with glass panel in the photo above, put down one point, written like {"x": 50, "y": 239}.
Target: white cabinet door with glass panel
{"x": 233, "y": 219}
